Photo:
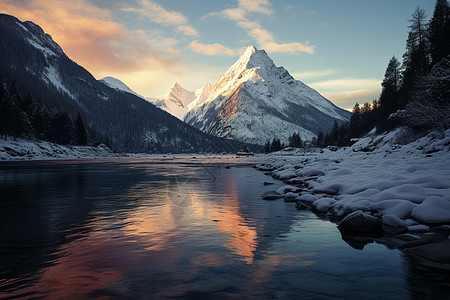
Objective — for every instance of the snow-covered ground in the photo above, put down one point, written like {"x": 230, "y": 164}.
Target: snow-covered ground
{"x": 21, "y": 149}
{"x": 380, "y": 185}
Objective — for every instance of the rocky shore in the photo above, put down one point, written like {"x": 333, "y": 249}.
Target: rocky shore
{"x": 383, "y": 189}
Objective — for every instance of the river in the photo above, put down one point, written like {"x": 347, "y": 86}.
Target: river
{"x": 178, "y": 227}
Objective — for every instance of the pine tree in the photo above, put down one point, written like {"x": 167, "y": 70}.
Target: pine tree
{"x": 320, "y": 140}
{"x": 81, "y": 131}
{"x": 333, "y": 136}
{"x": 267, "y": 147}
{"x": 276, "y": 145}
{"x": 430, "y": 106}
{"x": 300, "y": 143}
{"x": 354, "y": 127}
{"x": 389, "y": 102}
{"x": 416, "y": 61}
{"x": 295, "y": 140}
{"x": 63, "y": 127}
{"x": 439, "y": 32}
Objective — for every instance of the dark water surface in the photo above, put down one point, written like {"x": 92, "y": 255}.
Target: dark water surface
{"x": 178, "y": 228}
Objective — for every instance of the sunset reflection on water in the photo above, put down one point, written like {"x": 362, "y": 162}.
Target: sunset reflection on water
{"x": 156, "y": 230}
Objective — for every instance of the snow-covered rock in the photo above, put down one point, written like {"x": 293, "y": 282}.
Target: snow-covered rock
{"x": 432, "y": 210}
{"x": 272, "y": 195}
{"x": 360, "y": 222}
{"x": 255, "y": 101}
{"x": 393, "y": 224}
{"x": 322, "y": 205}
{"x": 405, "y": 185}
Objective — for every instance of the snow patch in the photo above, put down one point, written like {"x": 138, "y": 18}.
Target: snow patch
{"x": 46, "y": 51}
{"x": 21, "y": 149}
{"x": 21, "y": 26}
{"x": 52, "y": 76}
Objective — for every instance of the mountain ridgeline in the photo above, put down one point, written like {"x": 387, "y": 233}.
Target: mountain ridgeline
{"x": 255, "y": 101}
{"x": 33, "y": 65}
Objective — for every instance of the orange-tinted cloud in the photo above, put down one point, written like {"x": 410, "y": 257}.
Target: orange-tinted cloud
{"x": 260, "y": 6}
{"x": 158, "y": 14}
{"x": 89, "y": 35}
{"x": 347, "y": 84}
{"x": 347, "y": 99}
{"x": 211, "y": 49}
{"x": 264, "y": 38}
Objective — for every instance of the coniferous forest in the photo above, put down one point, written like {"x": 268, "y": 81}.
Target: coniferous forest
{"x": 415, "y": 91}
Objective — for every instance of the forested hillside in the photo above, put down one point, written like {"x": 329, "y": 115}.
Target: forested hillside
{"x": 44, "y": 93}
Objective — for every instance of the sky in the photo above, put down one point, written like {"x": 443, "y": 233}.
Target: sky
{"x": 338, "y": 47}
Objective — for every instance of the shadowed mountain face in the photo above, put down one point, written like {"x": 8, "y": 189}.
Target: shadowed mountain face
{"x": 255, "y": 101}
{"x": 33, "y": 63}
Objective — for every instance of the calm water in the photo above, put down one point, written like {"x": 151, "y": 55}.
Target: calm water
{"x": 178, "y": 228}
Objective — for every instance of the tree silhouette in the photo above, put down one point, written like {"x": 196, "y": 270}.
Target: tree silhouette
{"x": 81, "y": 131}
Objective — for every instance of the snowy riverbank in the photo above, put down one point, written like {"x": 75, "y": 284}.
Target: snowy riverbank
{"x": 377, "y": 186}
{"x": 21, "y": 149}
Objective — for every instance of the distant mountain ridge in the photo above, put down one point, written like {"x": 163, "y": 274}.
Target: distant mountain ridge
{"x": 118, "y": 85}
{"x": 178, "y": 101}
{"x": 175, "y": 101}
{"x": 254, "y": 101}
{"x": 35, "y": 64}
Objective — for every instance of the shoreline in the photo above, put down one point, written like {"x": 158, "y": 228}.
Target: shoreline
{"x": 376, "y": 191}
{"x": 395, "y": 194}
{"x": 19, "y": 149}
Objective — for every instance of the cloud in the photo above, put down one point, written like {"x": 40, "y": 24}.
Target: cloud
{"x": 264, "y": 38}
{"x": 312, "y": 74}
{"x": 89, "y": 35}
{"x": 345, "y": 92}
{"x": 290, "y": 47}
{"x": 187, "y": 30}
{"x": 351, "y": 84}
{"x": 347, "y": 99}
{"x": 235, "y": 14}
{"x": 260, "y": 35}
{"x": 259, "y": 6}
{"x": 158, "y": 14}
{"x": 244, "y": 7}
{"x": 211, "y": 49}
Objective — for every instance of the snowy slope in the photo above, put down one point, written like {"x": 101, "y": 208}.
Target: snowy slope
{"x": 175, "y": 101}
{"x": 255, "y": 100}
{"x": 405, "y": 185}
{"x": 118, "y": 85}
{"x": 21, "y": 149}
{"x": 201, "y": 95}
{"x": 50, "y": 50}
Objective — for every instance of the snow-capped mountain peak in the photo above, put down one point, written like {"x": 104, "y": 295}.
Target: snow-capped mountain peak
{"x": 118, "y": 85}
{"x": 176, "y": 94}
{"x": 175, "y": 101}
{"x": 254, "y": 100}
